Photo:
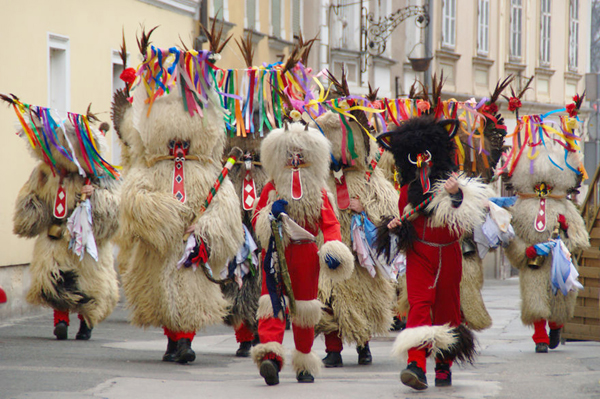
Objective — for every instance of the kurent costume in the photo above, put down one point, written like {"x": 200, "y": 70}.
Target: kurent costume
{"x": 72, "y": 265}
{"x": 433, "y": 222}
{"x": 544, "y": 177}
{"x": 170, "y": 191}
{"x": 296, "y": 159}
{"x": 360, "y": 307}
{"x": 243, "y": 288}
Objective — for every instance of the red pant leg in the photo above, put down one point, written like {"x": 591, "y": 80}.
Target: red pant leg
{"x": 446, "y": 308}
{"x": 553, "y": 326}
{"x": 421, "y": 269}
{"x": 243, "y": 333}
{"x": 59, "y": 315}
{"x": 303, "y": 338}
{"x": 540, "y": 335}
{"x": 333, "y": 342}
{"x": 271, "y": 329}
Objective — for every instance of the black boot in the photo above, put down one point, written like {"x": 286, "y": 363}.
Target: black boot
{"x": 443, "y": 375}
{"x": 84, "y": 332}
{"x": 414, "y": 377}
{"x": 541, "y": 347}
{"x": 169, "y": 355}
{"x": 364, "y": 355}
{"x": 333, "y": 359}
{"x": 269, "y": 370}
{"x": 184, "y": 353}
{"x": 305, "y": 376}
{"x": 554, "y": 338}
{"x": 60, "y": 330}
{"x": 244, "y": 349}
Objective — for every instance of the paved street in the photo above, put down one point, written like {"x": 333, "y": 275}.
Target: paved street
{"x": 121, "y": 361}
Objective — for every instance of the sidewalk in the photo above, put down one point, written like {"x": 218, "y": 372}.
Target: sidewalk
{"x": 124, "y": 362}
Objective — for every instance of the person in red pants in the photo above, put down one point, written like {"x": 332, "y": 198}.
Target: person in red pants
{"x": 423, "y": 150}
{"x": 296, "y": 160}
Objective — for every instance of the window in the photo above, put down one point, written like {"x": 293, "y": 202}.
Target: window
{"x": 483, "y": 27}
{"x": 59, "y": 85}
{"x": 251, "y": 14}
{"x": 516, "y": 18}
{"x": 545, "y": 16}
{"x": 449, "y": 23}
{"x": 276, "y": 11}
{"x": 347, "y": 28}
{"x": 220, "y": 10}
{"x": 573, "y": 34}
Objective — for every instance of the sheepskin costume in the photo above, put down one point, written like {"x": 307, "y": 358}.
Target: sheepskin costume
{"x": 538, "y": 303}
{"x": 60, "y": 278}
{"x": 296, "y": 159}
{"x": 179, "y": 162}
{"x": 248, "y": 178}
{"x": 423, "y": 150}
{"x": 361, "y": 307}
{"x": 479, "y": 164}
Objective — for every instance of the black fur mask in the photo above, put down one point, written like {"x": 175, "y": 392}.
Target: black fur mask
{"x": 422, "y": 135}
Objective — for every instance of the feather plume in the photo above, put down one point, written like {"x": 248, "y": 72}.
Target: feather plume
{"x": 372, "y": 96}
{"x": 246, "y": 48}
{"x": 215, "y": 44}
{"x": 120, "y": 105}
{"x": 305, "y": 47}
{"x": 90, "y": 115}
{"x": 144, "y": 41}
{"x": 436, "y": 91}
{"x": 500, "y": 86}
{"x": 11, "y": 100}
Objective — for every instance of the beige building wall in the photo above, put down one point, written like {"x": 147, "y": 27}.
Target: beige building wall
{"x": 269, "y": 46}
{"x": 94, "y": 31}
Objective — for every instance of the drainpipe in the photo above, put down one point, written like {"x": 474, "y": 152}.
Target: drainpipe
{"x": 429, "y": 41}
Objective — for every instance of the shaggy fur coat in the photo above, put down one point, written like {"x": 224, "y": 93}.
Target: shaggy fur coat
{"x": 244, "y": 301}
{"x": 153, "y": 222}
{"x": 360, "y": 307}
{"x": 59, "y": 278}
{"x": 537, "y": 300}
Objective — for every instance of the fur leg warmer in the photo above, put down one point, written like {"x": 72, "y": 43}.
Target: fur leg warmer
{"x": 442, "y": 341}
{"x": 341, "y": 252}
{"x": 306, "y": 362}
{"x": 260, "y": 351}
{"x": 308, "y": 313}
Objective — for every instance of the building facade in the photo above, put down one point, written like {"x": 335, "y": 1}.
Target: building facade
{"x": 64, "y": 55}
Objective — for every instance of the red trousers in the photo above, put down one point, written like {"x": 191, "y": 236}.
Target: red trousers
{"x": 540, "y": 335}
{"x": 243, "y": 334}
{"x": 177, "y": 335}
{"x": 433, "y": 274}
{"x": 60, "y": 315}
{"x": 303, "y": 266}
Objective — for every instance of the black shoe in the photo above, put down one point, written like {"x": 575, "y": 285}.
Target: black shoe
{"x": 269, "y": 370}
{"x": 364, "y": 355}
{"x": 414, "y": 377}
{"x": 244, "y": 349}
{"x": 554, "y": 338}
{"x": 333, "y": 359}
{"x": 84, "y": 332}
{"x": 169, "y": 355}
{"x": 542, "y": 347}
{"x": 443, "y": 375}
{"x": 60, "y": 330}
{"x": 184, "y": 353}
{"x": 305, "y": 376}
